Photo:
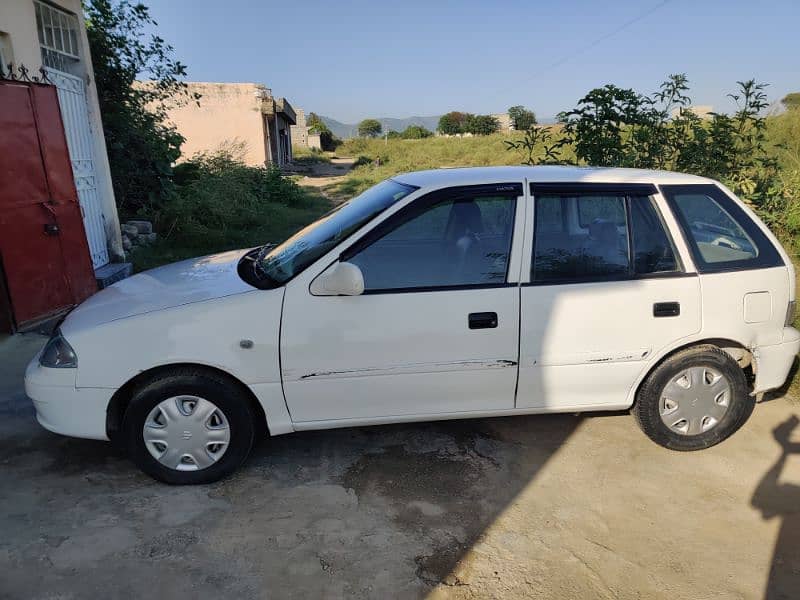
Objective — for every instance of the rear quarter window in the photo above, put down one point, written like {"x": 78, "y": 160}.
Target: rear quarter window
{"x": 720, "y": 235}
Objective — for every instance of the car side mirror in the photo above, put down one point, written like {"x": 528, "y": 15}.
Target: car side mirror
{"x": 341, "y": 279}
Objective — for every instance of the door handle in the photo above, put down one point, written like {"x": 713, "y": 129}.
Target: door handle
{"x": 483, "y": 320}
{"x": 666, "y": 309}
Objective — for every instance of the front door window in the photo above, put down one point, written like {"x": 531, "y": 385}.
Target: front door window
{"x": 456, "y": 241}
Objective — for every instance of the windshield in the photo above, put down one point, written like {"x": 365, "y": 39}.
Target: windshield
{"x": 288, "y": 259}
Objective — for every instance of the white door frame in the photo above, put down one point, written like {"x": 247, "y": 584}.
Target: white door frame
{"x": 78, "y": 130}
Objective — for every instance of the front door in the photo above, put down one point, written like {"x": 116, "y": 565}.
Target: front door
{"x": 436, "y": 330}
{"x": 606, "y": 291}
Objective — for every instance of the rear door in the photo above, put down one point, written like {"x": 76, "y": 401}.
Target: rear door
{"x": 606, "y": 289}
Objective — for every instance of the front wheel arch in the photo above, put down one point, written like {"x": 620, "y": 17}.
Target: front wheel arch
{"x": 115, "y": 412}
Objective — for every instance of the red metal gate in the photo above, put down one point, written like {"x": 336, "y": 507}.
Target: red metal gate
{"x": 44, "y": 255}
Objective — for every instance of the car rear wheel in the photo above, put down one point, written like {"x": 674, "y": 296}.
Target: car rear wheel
{"x": 189, "y": 427}
{"x": 693, "y": 400}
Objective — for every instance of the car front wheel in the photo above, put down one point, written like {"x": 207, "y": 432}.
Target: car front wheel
{"x": 188, "y": 427}
{"x": 694, "y": 399}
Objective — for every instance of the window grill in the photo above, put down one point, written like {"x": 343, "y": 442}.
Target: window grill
{"x": 58, "y": 36}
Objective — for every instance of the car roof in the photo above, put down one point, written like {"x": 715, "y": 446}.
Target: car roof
{"x": 445, "y": 177}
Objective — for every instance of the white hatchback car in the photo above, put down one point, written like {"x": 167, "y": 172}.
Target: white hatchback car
{"x": 439, "y": 294}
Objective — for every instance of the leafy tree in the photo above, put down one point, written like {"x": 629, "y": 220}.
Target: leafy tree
{"x": 522, "y": 118}
{"x": 315, "y": 123}
{"x": 369, "y": 128}
{"x": 620, "y": 127}
{"x": 453, "y": 123}
{"x": 141, "y": 145}
{"x": 327, "y": 140}
{"x": 481, "y": 125}
{"x": 791, "y": 101}
{"x": 600, "y": 126}
{"x": 416, "y": 132}
{"x": 394, "y": 135}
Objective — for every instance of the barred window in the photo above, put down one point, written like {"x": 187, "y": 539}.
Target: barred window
{"x": 58, "y": 36}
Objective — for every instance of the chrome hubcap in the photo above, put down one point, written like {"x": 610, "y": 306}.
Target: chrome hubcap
{"x": 695, "y": 400}
{"x": 186, "y": 433}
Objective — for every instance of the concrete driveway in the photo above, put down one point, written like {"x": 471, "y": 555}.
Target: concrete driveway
{"x": 551, "y": 506}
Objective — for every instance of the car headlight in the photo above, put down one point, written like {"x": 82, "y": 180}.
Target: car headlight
{"x": 58, "y": 354}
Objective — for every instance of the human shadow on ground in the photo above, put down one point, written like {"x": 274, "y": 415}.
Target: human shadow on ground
{"x": 777, "y": 499}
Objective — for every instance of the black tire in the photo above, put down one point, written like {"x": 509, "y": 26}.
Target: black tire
{"x": 646, "y": 407}
{"x": 229, "y": 398}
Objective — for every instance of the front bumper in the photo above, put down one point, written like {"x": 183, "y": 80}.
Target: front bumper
{"x": 773, "y": 363}
{"x": 61, "y": 407}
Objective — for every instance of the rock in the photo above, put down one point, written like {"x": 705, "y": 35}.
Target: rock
{"x": 142, "y": 227}
{"x": 126, "y": 243}
{"x": 130, "y": 230}
{"x": 145, "y": 239}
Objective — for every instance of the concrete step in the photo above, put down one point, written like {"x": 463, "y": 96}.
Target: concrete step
{"x": 111, "y": 273}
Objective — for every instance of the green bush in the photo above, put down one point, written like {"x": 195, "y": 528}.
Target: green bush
{"x": 758, "y": 157}
{"x": 416, "y": 132}
{"x": 362, "y": 161}
{"x": 221, "y": 204}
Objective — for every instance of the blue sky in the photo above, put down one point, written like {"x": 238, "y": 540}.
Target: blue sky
{"x": 352, "y": 59}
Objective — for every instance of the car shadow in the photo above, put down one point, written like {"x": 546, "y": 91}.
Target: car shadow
{"x": 436, "y": 487}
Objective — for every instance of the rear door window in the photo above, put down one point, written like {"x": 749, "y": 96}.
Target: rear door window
{"x": 653, "y": 250}
{"x": 594, "y": 237}
{"x": 580, "y": 238}
{"x": 720, "y": 234}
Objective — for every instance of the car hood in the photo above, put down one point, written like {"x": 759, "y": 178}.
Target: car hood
{"x": 185, "y": 282}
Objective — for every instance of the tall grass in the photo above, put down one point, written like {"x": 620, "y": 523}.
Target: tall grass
{"x": 386, "y": 158}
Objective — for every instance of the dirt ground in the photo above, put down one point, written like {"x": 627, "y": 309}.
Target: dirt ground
{"x": 325, "y": 174}
{"x": 544, "y": 507}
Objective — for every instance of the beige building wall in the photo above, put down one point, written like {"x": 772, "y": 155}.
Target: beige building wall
{"x": 314, "y": 141}
{"x": 229, "y": 113}
{"x": 505, "y": 122}
{"x": 301, "y": 136}
{"x": 19, "y": 44}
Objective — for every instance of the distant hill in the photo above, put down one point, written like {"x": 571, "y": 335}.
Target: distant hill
{"x": 348, "y": 130}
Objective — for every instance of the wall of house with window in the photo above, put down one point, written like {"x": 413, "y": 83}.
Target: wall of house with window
{"x": 52, "y": 34}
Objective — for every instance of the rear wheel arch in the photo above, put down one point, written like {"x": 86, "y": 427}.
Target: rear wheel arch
{"x": 737, "y": 350}
{"x": 729, "y": 408}
{"x": 115, "y": 412}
